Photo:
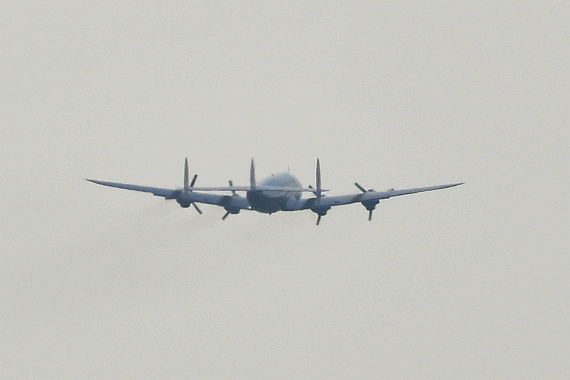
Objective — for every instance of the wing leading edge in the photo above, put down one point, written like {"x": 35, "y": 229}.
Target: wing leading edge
{"x": 164, "y": 192}
{"x": 369, "y": 196}
{"x": 182, "y": 196}
{"x": 161, "y": 192}
{"x": 369, "y": 199}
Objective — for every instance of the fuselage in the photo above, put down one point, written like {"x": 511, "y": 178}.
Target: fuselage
{"x": 272, "y": 201}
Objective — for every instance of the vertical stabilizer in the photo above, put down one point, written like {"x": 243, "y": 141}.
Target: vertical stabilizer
{"x": 252, "y": 183}
{"x": 186, "y": 180}
{"x": 319, "y": 190}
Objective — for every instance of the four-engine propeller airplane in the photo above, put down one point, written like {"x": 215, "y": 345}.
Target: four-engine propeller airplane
{"x": 279, "y": 192}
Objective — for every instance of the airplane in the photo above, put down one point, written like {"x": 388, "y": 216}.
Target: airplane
{"x": 278, "y": 192}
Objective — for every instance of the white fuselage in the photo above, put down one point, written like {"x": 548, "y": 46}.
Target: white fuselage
{"x": 273, "y": 201}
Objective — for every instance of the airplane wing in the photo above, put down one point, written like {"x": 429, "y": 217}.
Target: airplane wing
{"x": 369, "y": 199}
{"x": 166, "y": 193}
{"x": 369, "y": 196}
{"x": 227, "y": 201}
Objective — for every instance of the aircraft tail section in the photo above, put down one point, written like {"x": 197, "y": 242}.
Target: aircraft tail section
{"x": 319, "y": 190}
{"x": 252, "y": 182}
{"x": 186, "y": 177}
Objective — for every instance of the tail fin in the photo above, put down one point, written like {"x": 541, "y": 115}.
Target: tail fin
{"x": 186, "y": 179}
{"x": 319, "y": 189}
{"x": 252, "y": 183}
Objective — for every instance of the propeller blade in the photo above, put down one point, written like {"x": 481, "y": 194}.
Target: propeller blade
{"x": 231, "y": 184}
{"x": 226, "y": 215}
{"x": 186, "y": 174}
{"x": 370, "y": 215}
{"x": 197, "y": 208}
{"x": 193, "y": 180}
{"x": 318, "y": 219}
{"x": 360, "y": 187}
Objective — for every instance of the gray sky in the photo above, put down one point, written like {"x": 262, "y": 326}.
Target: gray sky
{"x": 470, "y": 282}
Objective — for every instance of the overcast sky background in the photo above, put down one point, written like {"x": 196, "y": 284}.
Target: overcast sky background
{"x": 469, "y": 282}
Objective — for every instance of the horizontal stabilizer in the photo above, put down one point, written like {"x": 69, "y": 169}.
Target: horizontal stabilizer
{"x": 256, "y": 188}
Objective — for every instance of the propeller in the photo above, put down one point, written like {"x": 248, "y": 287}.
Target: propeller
{"x": 234, "y": 194}
{"x": 361, "y": 188}
{"x": 370, "y": 205}
{"x": 317, "y": 209}
{"x": 188, "y": 188}
{"x": 197, "y": 208}
{"x": 318, "y": 191}
{"x": 192, "y": 185}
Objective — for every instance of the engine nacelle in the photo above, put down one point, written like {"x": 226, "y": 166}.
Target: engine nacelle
{"x": 371, "y": 204}
{"x": 183, "y": 200}
{"x": 183, "y": 203}
{"x": 320, "y": 210}
{"x": 232, "y": 210}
